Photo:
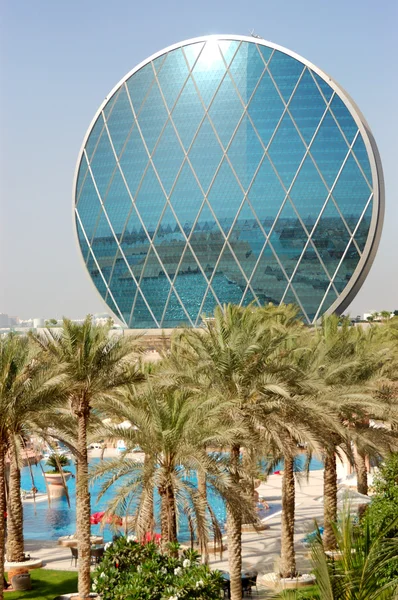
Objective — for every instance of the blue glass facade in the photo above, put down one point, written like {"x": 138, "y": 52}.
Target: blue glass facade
{"x": 224, "y": 170}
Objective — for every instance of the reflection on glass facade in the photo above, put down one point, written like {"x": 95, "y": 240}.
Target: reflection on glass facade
{"x": 224, "y": 170}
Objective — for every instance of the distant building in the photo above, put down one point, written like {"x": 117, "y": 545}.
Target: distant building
{"x": 4, "y": 320}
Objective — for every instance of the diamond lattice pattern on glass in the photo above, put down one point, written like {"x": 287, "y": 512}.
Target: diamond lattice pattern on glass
{"x": 222, "y": 171}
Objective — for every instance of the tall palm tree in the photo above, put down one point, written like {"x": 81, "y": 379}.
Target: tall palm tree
{"x": 26, "y": 392}
{"x": 242, "y": 355}
{"x": 347, "y": 360}
{"x": 95, "y": 364}
{"x": 171, "y": 427}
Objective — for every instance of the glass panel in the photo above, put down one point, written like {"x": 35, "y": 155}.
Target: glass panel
{"x": 207, "y": 240}
{"x": 152, "y": 117}
{"x": 103, "y": 164}
{"x": 208, "y": 307}
{"x": 158, "y": 62}
{"x": 245, "y": 152}
{"x": 141, "y": 317}
{"x": 188, "y": 114}
{"x": 225, "y": 196}
{"x": 308, "y": 193}
{"x": 228, "y": 282}
{"x": 134, "y": 235}
{"x": 172, "y": 76}
{"x": 226, "y": 111}
{"x": 154, "y": 285}
{"x": 190, "y": 284}
{"x": 122, "y": 287}
{"x": 290, "y": 298}
{"x": 310, "y": 282}
{"x": 248, "y": 298}
{"x": 94, "y": 136}
{"x": 120, "y": 121}
{"x": 150, "y": 201}
{"x": 111, "y": 102}
{"x": 186, "y": 198}
{"x": 133, "y": 161}
{"x": 175, "y": 315}
{"x": 344, "y": 118}
{"x": 286, "y": 150}
{"x": 168, "y": 157}
{"x": 265, "y": 109}
{"x": 228, "y": 49}
{"x": 329, "y": 149}
{"x": 118, "y": 204}
{"x": 139, "y": 85}
{"x": 88, "y": 207}
{"x": 192, "y": 52}
{"x": 288, "y": 238}
{"x": 246, "y": 69}
{"x": 169, "y": 242}
{"x": 104, "y": 247}
{"x": 247, "y": 239}
{"x": 347, "y": 268}
{"x": 82, "y": 240}
{"x": 265, "y": 52}
{"x": 208, "y": 71}
{"x": 81, "y": 176}
{"x": 331, "y": 297}
{"x": 268, "y": 281}
{"x": 307, "y": 106}
{"x": 330, "y": 237}
{"x": 205, "y": 154}
{"x": 362, "y": 157}
{"x": 351, "y": 193}
{"x": 286, "y": 71}
{"x": 95, "y": 275}
{"x": 266, "y": 195}
{"x": 362, "y": 232}
{"x": 326, "y": 90}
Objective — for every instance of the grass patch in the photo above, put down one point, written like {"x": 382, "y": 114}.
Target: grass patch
{"x": 46, "y": 585}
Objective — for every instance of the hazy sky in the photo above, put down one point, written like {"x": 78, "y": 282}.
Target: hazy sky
{"x": 60, "y": 59}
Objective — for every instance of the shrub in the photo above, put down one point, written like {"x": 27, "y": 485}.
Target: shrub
{"x": 131, "y": 571}
{"x": 55, "y": 460}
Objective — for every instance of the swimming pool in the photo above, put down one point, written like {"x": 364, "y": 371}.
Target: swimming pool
{"x": 45, "y": 522}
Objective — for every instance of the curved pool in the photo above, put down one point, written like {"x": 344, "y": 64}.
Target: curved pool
{"x": 45, "y": 522}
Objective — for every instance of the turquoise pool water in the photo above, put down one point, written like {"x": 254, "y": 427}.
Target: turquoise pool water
{"x": 45, "y": 522}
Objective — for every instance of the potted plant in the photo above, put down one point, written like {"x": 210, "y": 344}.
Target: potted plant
{"x": 56, "y": 478}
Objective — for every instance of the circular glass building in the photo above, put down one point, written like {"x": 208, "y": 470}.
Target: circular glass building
{"x": 227, "y": 169}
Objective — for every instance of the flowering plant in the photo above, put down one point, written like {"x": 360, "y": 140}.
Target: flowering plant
{"x": 144, "y": 573}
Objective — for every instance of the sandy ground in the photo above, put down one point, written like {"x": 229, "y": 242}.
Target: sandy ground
{"x": 259, "y": 550}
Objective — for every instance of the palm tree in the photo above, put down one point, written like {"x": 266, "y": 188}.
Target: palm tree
{"x": 172, "y": 427}
{"x": 347, "y": 360}
{"x": 243, "y": 356}
{"x": 26, "y": 392}
{"x": 95, "y": 364}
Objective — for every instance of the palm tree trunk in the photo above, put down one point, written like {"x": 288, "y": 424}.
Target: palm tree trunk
{"x": 202, "y": 490}
{"x": 329, "y": 500}
{"x": 15, "y": 541}
{"x": 83, "y": 506}
{"x": 2, "y": 511}
{"x": 168, "y": 514}
{"x": 288, "y": 559}
{"x": 362, "y": 473}
{"x": 164, "y": 521}
{"x": 234, "y": 530}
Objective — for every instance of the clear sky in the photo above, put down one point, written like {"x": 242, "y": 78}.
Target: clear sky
{"x": 60, "y": 59}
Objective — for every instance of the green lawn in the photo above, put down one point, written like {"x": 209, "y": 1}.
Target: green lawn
{"x": 46, "y": 585}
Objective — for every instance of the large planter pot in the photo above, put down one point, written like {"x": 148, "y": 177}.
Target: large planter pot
{"x": 272, "y": 580}
{"x": 55, "y": 483}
